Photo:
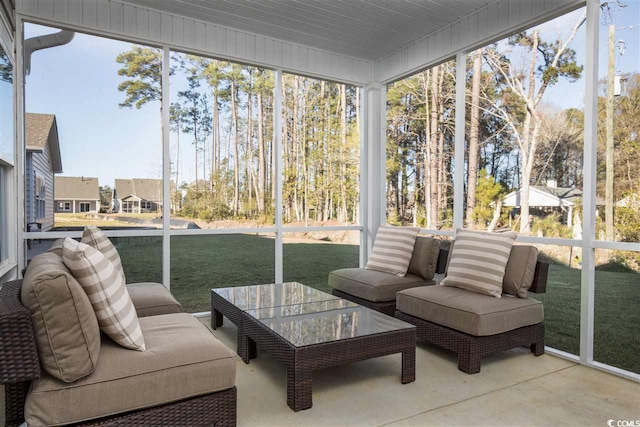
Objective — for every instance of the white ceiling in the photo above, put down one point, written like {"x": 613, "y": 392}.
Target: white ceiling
{"x": 368, "y": 29}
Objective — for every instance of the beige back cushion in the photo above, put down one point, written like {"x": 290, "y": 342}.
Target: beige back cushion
{"x": 107, "y": 292}
{"x": 478, "y": 261}
{"x": 521, "y": 267}
{"x": 65, "y": 325}
{"x": 392, "y": 249}
{"x": 96, "y": 238}
{"x": 425, "y": 257}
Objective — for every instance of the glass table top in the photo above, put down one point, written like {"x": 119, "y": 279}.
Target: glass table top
{"x": 325, "y": 321}
{"x": 271, "y": 295}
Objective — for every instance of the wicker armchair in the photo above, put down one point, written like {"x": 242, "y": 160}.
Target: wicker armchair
{"x": 470, "y": 348}
{"x": 19, "y": 365}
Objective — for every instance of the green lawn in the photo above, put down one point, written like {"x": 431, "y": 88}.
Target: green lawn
{"x": 199, "y": 263}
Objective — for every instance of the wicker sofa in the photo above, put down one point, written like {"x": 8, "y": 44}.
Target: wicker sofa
{"x": 185, "y": 376}
{"x": 377, "y": 290}
{"x": 475, "y": 325}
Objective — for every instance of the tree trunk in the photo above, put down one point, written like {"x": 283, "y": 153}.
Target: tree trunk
{"x": 261, "y": 157}
{"x": 195, "y": 144}
{"x": 474, "y": 129}
{"x": 427, "y": 151}
{"x": 236, "y": 151}
{"x": 249, "y": 143}
{"x": 496, "y": 216}
{"x": 215, "y": 137}
{"x": 343, "y": 148}
{"x": 433, "y": 147}
{"x": 609, "y": 149}
{"x": 440, "y": 159}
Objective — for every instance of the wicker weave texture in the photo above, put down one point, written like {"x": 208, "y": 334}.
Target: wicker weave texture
{"x": 470, "y": 349}
{"x": 300, "y": 362}
{"x": 385, "y": 307}
{"x": 215, "y": 409}
{"x": 18, "y": 355}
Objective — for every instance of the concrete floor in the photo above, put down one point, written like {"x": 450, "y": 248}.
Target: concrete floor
{"x": 514, "y": 388}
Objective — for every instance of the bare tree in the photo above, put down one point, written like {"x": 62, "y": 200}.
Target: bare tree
{"x": 518, "y": 106}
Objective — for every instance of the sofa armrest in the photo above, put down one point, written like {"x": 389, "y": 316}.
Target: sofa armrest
{"x": 152, "y": 299}
{"x": 18, "y": 355}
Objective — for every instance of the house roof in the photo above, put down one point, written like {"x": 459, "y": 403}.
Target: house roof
{"x": 554, "y": 196}
{"x": 76, "y": 188}
{"x": 145, "y": 189}
{"x": 564, "y": 193}
{"x": 41, "y": 130}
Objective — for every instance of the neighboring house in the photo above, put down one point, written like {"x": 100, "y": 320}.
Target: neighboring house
{"x": 545, "y": 200}
{"x": 41, "y": 163}
{"x": 76, "y": 194}
{"x": 632, "y": 201}
{"x": 138, "y": 195}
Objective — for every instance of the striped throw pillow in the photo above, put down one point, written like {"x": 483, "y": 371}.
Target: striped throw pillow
{"x": 96, "y": 238}
{"x": 478, "y": 261}
{"x": 393, "y": 249}
{"x": 107, "y": 293}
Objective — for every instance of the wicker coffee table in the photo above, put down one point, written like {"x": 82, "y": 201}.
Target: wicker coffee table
{"x": 306, "y": 329}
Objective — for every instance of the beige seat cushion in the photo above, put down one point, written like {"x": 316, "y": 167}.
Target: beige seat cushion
{"x": 152, "y": 299}
{"x": 469, "y": 312}
{"x": 425, "y": 257}
{"x": 521, "y": 268}
{"x": 65, "y": 326}
{"x": 183, "y": 359}
{"x": 373, "y": 285}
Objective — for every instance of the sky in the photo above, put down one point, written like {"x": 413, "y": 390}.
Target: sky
{"x": 78, "y": 83}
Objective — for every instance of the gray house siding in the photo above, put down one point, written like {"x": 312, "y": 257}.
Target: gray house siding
{"x": 39, "y": 163}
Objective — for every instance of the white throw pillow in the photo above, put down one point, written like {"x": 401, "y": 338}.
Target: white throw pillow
{"x": 393, "y": 249}
{"x": 107, "y": 292}
{"x": 478, "y": 261}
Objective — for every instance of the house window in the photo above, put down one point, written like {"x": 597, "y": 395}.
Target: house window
{"x": 40, "y": 199}
{"x": 7, "y": 153}
{"x": 64, "y": 206}
{"x": 85, "y": 207}
{"x": 146, "y": 205}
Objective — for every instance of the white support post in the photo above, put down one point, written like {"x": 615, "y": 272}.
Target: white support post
{"x": 364, "y": 176}
{"x": 375, "y": 116}
{"x": 166, "y": 170}
{"x": 587, "y": 293}
{"x": 20, "y": 146}
{"x": 458, "y": 176}
{"x": 277, "y": 135}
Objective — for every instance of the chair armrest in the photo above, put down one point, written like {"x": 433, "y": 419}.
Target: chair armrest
{"x": 441, "y": 266}
{"x": 18, "y": 355}
{"x": 539, "y": 285}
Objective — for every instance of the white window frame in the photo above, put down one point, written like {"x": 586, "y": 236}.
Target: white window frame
{"x": 87, "y": 204}
{"x": 9, "y": 179}
{"x": 39, "y": 196}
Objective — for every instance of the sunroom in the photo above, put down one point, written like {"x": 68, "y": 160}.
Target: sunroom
{"x": 265, "y": 142}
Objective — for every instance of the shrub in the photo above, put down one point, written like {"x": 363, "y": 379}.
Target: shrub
{"x": 551, "y": 226}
